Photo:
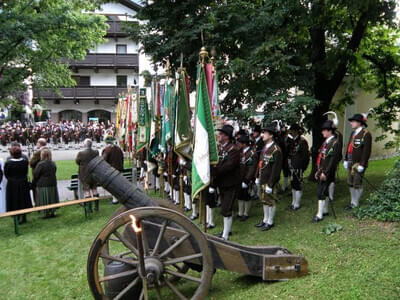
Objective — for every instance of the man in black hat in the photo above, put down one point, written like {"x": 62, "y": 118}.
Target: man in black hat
{"x": 226, "y": 176}
{"x": 269, "y": 170}
{"x": 357, "y": 156}
{"x": 326, "y": 164}
{"x": 258, "y": 142}
{"x": 248, "y": 168}
{"x": 298, "y": 159}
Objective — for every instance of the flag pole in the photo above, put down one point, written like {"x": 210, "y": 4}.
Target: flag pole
{"x": 203, "y": 212}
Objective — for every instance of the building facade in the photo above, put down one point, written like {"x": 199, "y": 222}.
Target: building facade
{"x": 105, "y": 73}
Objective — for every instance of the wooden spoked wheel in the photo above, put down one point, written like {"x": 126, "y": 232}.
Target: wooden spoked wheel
{"x": 170, "y": 242}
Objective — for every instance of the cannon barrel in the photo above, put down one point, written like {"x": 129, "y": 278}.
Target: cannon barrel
{"x": 112, "y": 180}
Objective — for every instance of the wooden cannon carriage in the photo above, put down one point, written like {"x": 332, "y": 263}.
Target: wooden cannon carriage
{"x": 149, "y": 249}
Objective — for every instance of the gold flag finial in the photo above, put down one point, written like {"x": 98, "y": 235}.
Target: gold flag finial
{"x": 203, "y": 54}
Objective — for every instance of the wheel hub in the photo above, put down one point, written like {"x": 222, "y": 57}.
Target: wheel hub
{"x": 154, "y": 269}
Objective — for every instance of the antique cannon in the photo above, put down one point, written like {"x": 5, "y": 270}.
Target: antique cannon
{"x": 149, "y": 249}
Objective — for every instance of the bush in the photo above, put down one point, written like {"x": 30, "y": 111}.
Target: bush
{"x": 384, "y": 204}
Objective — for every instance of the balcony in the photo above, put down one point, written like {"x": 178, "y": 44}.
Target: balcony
{"x": 116, "y": 29}
{"x": 106, "y": 61}
{"x": 82, "y": 93}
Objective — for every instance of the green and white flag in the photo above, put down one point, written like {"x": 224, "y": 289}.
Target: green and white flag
{"x": 183, "y": 130}
{"x": 166, "y": 134}
{"x": 205, "y": 151}
{"x": 143, "y": 134}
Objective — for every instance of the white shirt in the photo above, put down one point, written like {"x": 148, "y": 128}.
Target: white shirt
{"x": 357, "y": 131}
{"x": 246, "y": 149}
{"x": 329, "y": 139}
{"x": 269, "y": 145}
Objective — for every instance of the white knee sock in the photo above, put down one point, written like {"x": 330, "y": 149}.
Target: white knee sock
{"x": 332, "y": 190}
{"x": 240, "y": 207}
{"x": 210, "y": 216}
{"x": 352, "y": 195}
{"x": 272, "y": 210}
{"x": 293, "y": 197}
{"x": 299, "y": 194}
{"x": 247, "y": 205}
{"x": 157, "y": 183}
{"x": 227, "y": 227}
{"x": 194, "y": 211}
{"x": 357, "y": 196}
{"x": 326, "y": 206}
{"x": 321, "y": 204}
{"x": 176, "y": 197}
{"x": 266, "y": 213}
{"x": 188, "y": 201}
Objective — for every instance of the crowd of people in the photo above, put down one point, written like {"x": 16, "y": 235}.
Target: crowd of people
{"x": 250, "y": 167}
{"x": 63, "y": 132}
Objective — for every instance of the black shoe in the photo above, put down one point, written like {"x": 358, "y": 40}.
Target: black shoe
{"x": 244, "y": 218}
{"x": 325, "y": 214}
{"x": 219, "y": 235}
{"x": 267, "y": 227}
{"x": 349, "y": 207}
{"x": 185, "y": 209}
{"x": 316, "y": 219}
{"x": 239, "y": 217}
{"x": 209, "y": 226}
{"x": 194, "y": 217}
{"x": 260, "y": 224}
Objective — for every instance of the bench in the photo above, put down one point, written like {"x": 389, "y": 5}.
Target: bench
{"x": 73, "y": 185}
{"x": 16, "y": 213}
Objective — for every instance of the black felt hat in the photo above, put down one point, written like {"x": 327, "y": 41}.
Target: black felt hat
{"x": 244, "y": 139}
{"x": 328, "y": 124}
{"x": 227, "y": 129}
{"x": 257, "y": 128}
{"x": 270, "y": 128}
{"x": 359, "y": 118}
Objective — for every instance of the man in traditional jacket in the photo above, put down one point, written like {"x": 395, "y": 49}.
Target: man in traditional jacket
{"x": 248, "y": 168}
{"x": 326, "y": 164}
{"x": 226, "y": 176}
{"x": 357, "y": 156}
{"x": 298, "y": 159}
{"x": 113, "y": 154}
{"x": 257, "y": 142}
{"x": 269, "y": 170}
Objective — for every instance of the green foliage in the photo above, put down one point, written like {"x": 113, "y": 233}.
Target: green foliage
{"x": 147, "y": 78}
{"x": 36, "y": 38}
{"x": 330, "y": 228}
{"x": 266, "y": 49}
{"x": 384, "y": 204}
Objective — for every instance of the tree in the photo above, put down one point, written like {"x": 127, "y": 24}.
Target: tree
{"x": 38, "y": 36}
{"x": 267, "y": 50}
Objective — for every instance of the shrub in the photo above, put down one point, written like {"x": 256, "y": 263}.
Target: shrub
{"x": 384, "y": 203}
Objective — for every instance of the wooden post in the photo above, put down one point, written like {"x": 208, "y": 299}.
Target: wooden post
{"x": 161, "y": 172}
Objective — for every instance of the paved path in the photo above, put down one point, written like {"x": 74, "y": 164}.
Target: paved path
{"x": 65, "y": 194}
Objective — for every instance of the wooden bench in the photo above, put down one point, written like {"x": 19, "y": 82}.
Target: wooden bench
{"x": 16, "y": 213}
{"x": 74, "y": 184}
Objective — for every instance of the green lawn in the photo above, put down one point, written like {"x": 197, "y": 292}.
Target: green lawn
{"x": 65, "y": 168}
{"x": 48, "y": 261}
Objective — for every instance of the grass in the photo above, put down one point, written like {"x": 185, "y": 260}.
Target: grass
{"x": 48, "y": 261}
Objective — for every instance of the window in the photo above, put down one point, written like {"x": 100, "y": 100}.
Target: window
{"x": 122, "y": 81}
{"x": 121, "y": 49}
{"x": 81, "y": 80}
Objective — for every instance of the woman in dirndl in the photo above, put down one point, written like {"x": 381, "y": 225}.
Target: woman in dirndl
{"x": 45, "y": 180}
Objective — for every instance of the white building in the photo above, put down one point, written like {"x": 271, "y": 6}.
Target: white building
{"x": 106, "y": 72}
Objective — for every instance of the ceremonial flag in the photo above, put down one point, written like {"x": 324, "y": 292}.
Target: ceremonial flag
{"x": 183, "y": 130}
{"x": 205, "y": 147}
{"x": 215, "y": 108}
{"x": 166, "y": 118}
{"x": 143, "y": 134}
